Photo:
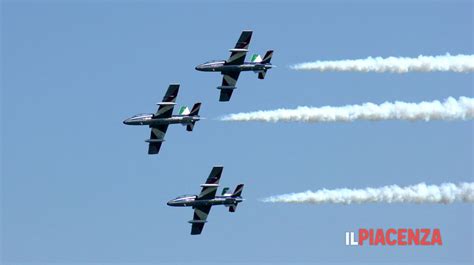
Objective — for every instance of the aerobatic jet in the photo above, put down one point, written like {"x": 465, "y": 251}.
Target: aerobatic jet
{"x": 203, "y": 202}
{"x": 159, "y": 121}
{"x": 231, "y": 68}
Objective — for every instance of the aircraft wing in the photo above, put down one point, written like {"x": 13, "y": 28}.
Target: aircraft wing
{"x": 165, "y": 109}
{"x": 199, "y": 219}
{"x": 156, "y": 138}
{"x": 229, "y": 80}
{"x": 210, "y": 187}
{"x": 237, "y": 55}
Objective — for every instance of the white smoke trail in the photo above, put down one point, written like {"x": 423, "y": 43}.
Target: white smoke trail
{"x": 420, "y": 193}
{"x": 442, "y": 63}
{"x": 450, "y": 109}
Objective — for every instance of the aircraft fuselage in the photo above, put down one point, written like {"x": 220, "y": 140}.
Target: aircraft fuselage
{"x": 220, "y": 66}
{"x": 147, "y": 119}
{"x": 190, "y": 201}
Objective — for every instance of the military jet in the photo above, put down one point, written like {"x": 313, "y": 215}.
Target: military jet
{"x": 203, "y": 202}
{"x": 231, "y": 68}
{"x": 163, "y": 117}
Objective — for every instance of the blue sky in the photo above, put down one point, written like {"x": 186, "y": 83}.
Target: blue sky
{"x": 78, "y": 186}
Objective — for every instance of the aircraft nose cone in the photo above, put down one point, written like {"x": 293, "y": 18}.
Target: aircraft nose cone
{"x": 126, "y": 121}
{"x": 170, "y": 203}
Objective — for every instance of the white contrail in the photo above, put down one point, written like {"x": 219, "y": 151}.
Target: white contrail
{"x": 450, "y": 109}
{"x": 420, "y": 193}
{"x": 442, "y": 63}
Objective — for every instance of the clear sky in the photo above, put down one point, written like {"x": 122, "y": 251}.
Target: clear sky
{"x": 78, "y": 186}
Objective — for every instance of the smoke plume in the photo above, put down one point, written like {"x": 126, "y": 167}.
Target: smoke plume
{"x": 450, "y": 109}
{"x": 442, "y": 63}
{"x": 420, "y": 193}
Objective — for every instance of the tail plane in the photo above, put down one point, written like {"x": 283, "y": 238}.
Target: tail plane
{"x": 224, "y": 191}
{"x": 256, "y": 58}
{"x": 232, "y": 208}
{"x": 184, "y": 111}
{"x": 237, "y": 193}
{"x": 194, "y": 112}
{"x": 266, "y": 60}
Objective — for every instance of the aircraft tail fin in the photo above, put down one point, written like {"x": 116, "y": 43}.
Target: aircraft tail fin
{"x": 194, "y": 112}
{"x": 268, "y": 57}
{"x": 195, "y": 109}
{"x": 237, "y": 193}
{"x": 238, "y": 190}
{"x": 261, "y": 75}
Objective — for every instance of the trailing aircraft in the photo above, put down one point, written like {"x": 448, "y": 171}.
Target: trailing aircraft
{"x": 203, "y": 202}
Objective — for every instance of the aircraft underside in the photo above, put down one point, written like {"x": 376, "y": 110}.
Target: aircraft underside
{"x": 209, "y": 202}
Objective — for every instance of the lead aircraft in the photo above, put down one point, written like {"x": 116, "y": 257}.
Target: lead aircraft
{"x": 203, "y": 202}
{"x": 159, "y": 121}
{"x": 231, "y": 68}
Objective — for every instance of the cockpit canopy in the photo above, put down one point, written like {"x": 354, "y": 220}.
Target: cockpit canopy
{"x": 213, "y": 61}
{"x": 140, "y": 115}
{"x": 186, "y": 196}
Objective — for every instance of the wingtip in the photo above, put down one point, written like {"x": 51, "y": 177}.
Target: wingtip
{"x": 218, "y": 166}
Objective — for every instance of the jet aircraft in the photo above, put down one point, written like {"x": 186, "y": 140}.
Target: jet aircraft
{"x": 231, "y": 68}
{"x": 203, "y": 202}
{"x": 159, "y": 121}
